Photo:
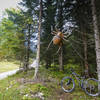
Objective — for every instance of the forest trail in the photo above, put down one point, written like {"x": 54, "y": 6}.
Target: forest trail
{"x": 6, "y": 74}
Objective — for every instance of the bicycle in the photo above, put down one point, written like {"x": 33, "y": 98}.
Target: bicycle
{"x": 90, "y": 86}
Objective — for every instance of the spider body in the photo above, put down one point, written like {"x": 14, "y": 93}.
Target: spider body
{"x": 57, "y": 39}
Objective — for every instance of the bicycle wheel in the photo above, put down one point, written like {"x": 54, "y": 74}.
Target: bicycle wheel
{"x": 91, "y": 87}
{"x": 67, "y": 84}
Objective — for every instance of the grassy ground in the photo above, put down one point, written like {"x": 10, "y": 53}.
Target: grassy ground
{"x": 7, "y": 66}
{"x": 47, "y": 87}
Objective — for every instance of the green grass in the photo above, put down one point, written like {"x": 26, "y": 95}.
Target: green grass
{"x": 22, "y": 87}
{"x": 7, "y": 66}
{"x": 15, "y": 88}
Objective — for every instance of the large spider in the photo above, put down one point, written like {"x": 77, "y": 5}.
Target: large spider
{"x": 58, "y": 38}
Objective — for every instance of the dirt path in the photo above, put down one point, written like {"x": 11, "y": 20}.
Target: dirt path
{"x": 6, "y": 74}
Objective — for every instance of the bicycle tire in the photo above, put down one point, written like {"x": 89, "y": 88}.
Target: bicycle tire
{"x": 69, "y": 82}
{"x": 88, "y": 87}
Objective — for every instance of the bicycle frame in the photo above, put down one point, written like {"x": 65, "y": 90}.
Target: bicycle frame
{"x": 80, "y": 80}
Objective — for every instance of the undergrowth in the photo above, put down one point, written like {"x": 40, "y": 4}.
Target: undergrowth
{"x": 21, "y": 86}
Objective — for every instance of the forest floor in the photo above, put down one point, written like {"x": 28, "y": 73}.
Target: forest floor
{"x": 21, "y": 86}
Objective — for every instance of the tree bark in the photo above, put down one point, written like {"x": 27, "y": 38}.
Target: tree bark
{"x": 38, "y": 44}
{"x": 97, "y": 39}
{"x": 61, "y": 67}
{"x": 85, "y": 55}
{"x": 60, "y": 25}
{"x": 27, "y": 49}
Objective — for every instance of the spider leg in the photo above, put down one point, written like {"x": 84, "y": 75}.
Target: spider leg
{"x": 49, "y": 44}
{"x": 65, "y": 39}
{"x": 58, "y": 49}
{"x": 54, "y": 32}
{"x": 60, "y": 45}
{"x": 67, "y": 35}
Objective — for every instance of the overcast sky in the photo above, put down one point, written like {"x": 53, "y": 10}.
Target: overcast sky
{"x": 7, "y": 4}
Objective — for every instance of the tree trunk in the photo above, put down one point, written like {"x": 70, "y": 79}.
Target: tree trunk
{"x": 38, "y": 43}
{"x": 60, "y": 25}
{"x": 27, "y": 50}
{"x": 61, "y": 67}
{"x": 48, "y": 64}
{"x": 97, "y": 39}
{"x": 85, "y": 55}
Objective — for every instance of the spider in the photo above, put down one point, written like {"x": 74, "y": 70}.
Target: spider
{"x": 58, "y": 38}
